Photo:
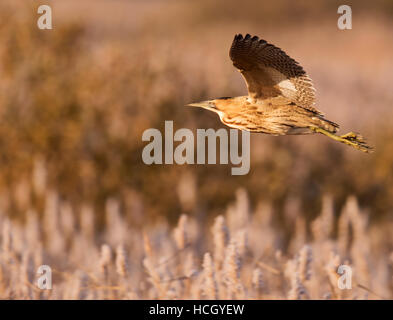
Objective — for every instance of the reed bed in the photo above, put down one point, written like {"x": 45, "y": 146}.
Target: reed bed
{"x": 240, "y": 254}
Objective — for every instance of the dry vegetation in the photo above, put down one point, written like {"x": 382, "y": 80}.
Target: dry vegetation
{"x": 236, "y": 256}
{"x": 75, "y": 195}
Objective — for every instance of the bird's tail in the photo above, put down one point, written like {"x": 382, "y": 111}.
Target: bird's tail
{"x": 352, "y": 139}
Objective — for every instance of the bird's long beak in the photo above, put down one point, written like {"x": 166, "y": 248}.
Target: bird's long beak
{"x": 208, "y": 104}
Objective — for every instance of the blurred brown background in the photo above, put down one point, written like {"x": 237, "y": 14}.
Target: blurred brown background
{"x": 75, "y": 100}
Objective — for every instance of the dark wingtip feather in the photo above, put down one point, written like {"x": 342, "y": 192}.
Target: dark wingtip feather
{"x": 239, "y": 37}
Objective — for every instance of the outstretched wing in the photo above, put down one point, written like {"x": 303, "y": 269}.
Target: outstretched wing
{"x": 270, "y": 72}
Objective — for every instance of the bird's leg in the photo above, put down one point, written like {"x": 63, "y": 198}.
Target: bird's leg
{"x": 350, "y": 138}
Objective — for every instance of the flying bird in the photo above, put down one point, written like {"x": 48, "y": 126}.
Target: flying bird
{"x": 281, "y": 96}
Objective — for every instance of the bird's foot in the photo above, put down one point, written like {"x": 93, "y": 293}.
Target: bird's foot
{"x": 350, "y": 138}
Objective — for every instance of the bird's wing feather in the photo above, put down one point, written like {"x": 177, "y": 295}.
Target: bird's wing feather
{"x": 269, "y": 72}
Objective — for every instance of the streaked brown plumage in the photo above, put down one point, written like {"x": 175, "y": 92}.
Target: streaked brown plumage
{"x": 281, "y": 97}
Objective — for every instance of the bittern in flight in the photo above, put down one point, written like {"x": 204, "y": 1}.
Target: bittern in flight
{"x": 281, "y": 97}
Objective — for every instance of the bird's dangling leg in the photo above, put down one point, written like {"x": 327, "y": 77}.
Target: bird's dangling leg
{"x": 350, "y": 138}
